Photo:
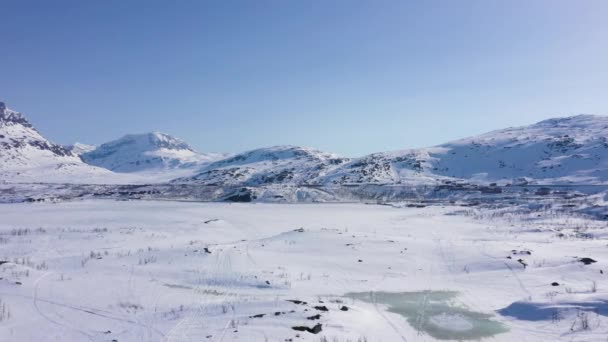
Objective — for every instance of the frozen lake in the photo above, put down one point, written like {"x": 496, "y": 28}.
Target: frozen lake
{"x": 169, "y": 271}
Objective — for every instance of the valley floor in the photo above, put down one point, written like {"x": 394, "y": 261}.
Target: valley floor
{"x": 169, "y": 271}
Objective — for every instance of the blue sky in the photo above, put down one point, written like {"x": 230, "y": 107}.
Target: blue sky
{"x": 351, "y": 77}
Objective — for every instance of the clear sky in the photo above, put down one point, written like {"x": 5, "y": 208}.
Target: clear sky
{"x": 346, "y": 76}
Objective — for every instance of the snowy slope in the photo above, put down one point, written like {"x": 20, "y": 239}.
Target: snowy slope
{"x": 26, "y": 156}
{"x": 572, "y": 149}
{"x": 80, "y": 148}
{"x": 403, "y": 167}
{"x": 149, "y": 152}
{"x": 272, "y": 165}
{"x": 564, "y": 150}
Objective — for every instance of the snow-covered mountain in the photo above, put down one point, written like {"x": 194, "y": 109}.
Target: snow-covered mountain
{"x": 149, "y": 152}
{"x": 272, "y": 165}
{"x": 564, "y": 150}
{"x": 555, "y": 151}
{"x": 26, "y": 156}
{"x": 80, "y": 148}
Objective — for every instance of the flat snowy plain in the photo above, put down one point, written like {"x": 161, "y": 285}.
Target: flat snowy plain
{"x": 175, "y": 271}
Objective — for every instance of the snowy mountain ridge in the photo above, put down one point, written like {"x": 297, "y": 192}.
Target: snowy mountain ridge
{"x": 11, "y": 117}
{"x": 26, "y": 156}
{"x": 272, "y": 165}
{"x": 558, "y": 151}
{"x": 571, "y": 150}
{"x": 80, "y": 148}
{"x": 148, "y": 151}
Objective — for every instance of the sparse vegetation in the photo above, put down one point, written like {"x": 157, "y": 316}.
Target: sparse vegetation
{"x": 5, "y": 311}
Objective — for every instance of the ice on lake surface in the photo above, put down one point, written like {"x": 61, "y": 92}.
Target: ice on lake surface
{"x": 436, "y": 313}
{"x": 531, "y": 311}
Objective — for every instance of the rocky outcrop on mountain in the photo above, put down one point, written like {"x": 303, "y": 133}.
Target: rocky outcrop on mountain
{"x": 272, "y": 165}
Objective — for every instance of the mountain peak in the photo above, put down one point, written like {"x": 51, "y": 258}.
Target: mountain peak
{"x": 8, "y": 116}
{"x": 24, "y": 152}
{"x": 151, "y": 141}
{"x": 146, "y": 151}
{"x": 80, "y": 148}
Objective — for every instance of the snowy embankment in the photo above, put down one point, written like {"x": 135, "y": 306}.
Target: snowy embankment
{"x": 168, "y": 271}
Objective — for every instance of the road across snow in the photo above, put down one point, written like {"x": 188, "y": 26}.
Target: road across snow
{"x": 170, "y": 271}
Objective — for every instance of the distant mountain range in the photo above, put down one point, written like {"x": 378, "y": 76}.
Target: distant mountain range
{"x": 572, "y": 150}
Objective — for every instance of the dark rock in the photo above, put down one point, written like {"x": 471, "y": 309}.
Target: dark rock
{"x": 554, "y": 283}
{"x": 490, "y": 190}
{"x": 543, "y": 191}
{"x": 321, "y": 308}
{"x": 587, "y": 261}
{"x": 314, "y": 330}
{"x": 344, "y": 308}
{"x": 243, "y": 195}
{"x": 521, "y": 261}
{"x": 315, "y": 317}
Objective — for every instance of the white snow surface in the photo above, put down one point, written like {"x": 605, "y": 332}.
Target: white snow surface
{"x": 169, "y": 271}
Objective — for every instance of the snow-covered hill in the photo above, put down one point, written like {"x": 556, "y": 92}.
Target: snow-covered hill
{"x": 26, "y": 156}
{"x": 148, "y": 153}
{"x": 80, "y": 148}
{"x": 554, "y": 151}
{"x": 272, "y": 165}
